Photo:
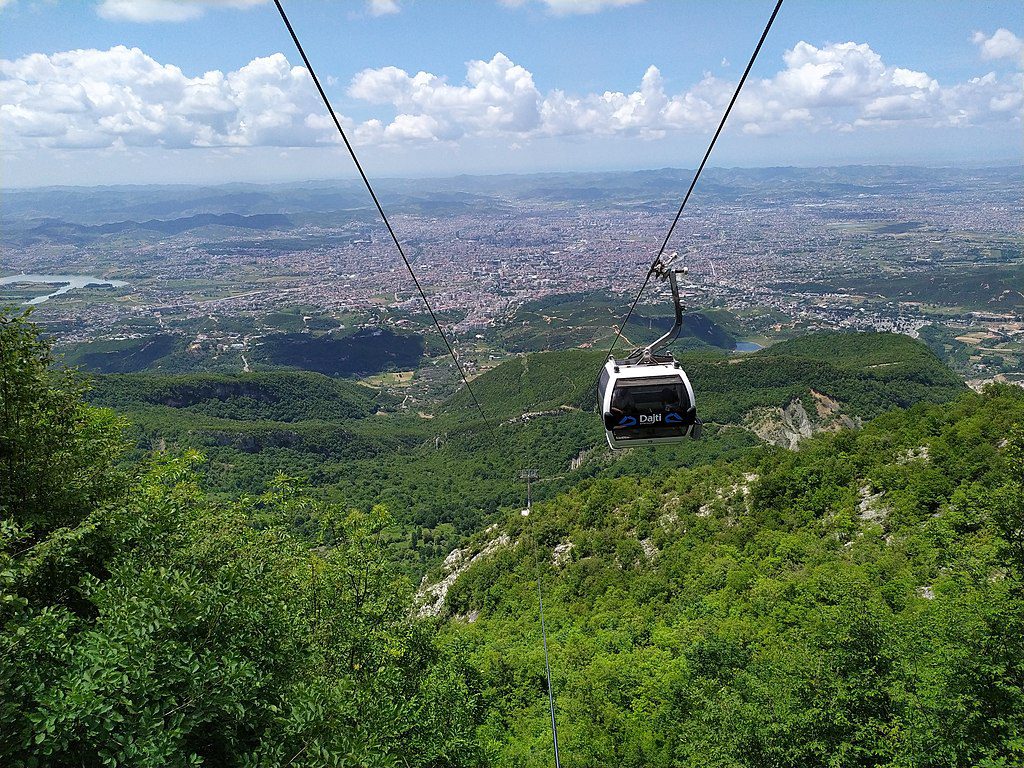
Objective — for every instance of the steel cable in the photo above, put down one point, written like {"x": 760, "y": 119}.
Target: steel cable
{"x": 383, "y": 215}
{"x": 696, "y": 176}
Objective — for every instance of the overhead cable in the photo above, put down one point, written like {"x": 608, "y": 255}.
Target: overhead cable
{"x": 380, "y": 210}
{"x": 696, "y": 176}
{"x": 547, "y": 672}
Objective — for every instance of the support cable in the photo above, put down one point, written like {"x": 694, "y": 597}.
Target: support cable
{"x": 696, "y": 176}
{"x": 383, "y": 215}
{"x": 547, "y": 670}
{"x": 433, "y": 317}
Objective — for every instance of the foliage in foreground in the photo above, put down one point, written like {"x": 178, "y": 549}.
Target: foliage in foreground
{"x": 142, "y": 624}
{"x": 857, "y": 603}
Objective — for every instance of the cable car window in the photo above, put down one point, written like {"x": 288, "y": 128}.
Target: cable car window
{"x": 658, "y": 397}
{"x": 640, "y": 407}
{"x": 647, "y": 398}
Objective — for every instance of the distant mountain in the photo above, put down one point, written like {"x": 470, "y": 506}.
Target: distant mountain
{"x": 58, "y": 229}
{"x": 651, "y": 188}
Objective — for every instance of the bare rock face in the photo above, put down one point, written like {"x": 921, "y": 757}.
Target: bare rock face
{"x": 827, "y": 407}
{"x": 786, "y": 427}
{"x": 921, "y": 453}
{"x": 649, "y": 548}
{"x": 730, "y": 501}
{"x": 561, "y": 553}
{"x": 430, "y": 597}
{"x": 871, "y": 509}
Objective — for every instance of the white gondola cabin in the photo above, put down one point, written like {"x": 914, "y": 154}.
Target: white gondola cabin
{"x": 647, "y": 404}
{"x": 646, "y": 398}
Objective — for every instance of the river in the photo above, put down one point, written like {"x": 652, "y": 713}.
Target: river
{"x": 65, "y": 283}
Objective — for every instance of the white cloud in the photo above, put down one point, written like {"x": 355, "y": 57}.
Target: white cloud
{"x": 833, "y": 86}
{"x": 164, "y": 10}
{"x": 122, "y": 97}
{"x": 840, "y": 86}
{"x": 5, "y": 3}
{"x": 569, "y": 7}
{"x": 383, "y": 7}
{"x": 499, "y": 97}
{"x": 1002, "y": 44}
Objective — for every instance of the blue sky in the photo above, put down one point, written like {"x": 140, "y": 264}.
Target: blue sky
{"x": 117, "y": 91}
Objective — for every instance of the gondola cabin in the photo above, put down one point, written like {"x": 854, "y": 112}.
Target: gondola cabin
{"x": 646, "y": 398}
{"x": 647, "y": 402}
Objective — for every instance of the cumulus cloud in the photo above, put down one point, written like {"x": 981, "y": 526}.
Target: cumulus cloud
{"x": 499, "y": 97}
{"x": 122, "y": 97}
{"x": 164, "y": 10}
{"x": 840, "y": 86}
{"x": 569, "y": 7}
{"x": 383, "y": 7}
{"x": 1002, "y": 44}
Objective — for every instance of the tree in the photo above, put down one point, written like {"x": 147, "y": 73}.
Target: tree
{"x": 144, "y": 624}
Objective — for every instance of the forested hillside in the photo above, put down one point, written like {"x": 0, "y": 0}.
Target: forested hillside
{"x": 858, "y": 601}
{"x": 270, "y": 396}
{"x": 442, "y": 471}
{"x": 144, "y": 624}
{"x": 869, "y": 372}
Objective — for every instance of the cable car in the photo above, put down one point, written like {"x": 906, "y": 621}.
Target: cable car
{"x": 646, "y": 398}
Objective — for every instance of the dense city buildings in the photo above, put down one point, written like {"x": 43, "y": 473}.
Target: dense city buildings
{"x": 885, "y": 249}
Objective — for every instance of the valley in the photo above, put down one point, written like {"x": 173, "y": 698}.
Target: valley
{"x": 519, "y": 263}
{"x": 300, "y": 540}
{"x": 250, "y": 511}
{"x": 442, "y": 472}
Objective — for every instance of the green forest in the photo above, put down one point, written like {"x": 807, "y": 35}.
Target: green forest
{"x": 221, "y": 570}
{"x": 441, "y": 472}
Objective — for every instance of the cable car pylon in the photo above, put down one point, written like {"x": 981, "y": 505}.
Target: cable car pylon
{"x": 529, "y": 475}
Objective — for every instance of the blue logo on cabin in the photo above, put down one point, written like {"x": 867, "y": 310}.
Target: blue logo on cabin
{"x": 628, "y": 421}
{"x": 673, "y": 418}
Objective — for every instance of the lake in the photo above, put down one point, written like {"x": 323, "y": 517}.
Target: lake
{"x": 65, "y": 283}
{"x": 746, "y": 346}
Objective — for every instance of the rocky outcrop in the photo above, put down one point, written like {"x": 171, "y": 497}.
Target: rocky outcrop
{"x": 430, "y": 597}
{"x": 561, "y": 553}
{"x": 870, "y": 508}
{"x": 730, "y": 500}
{"x": 649, "y": 548}
{"x": 784, "y": 427}
{"x": 787, "y": 427}
{"x": 921, "y": 453}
